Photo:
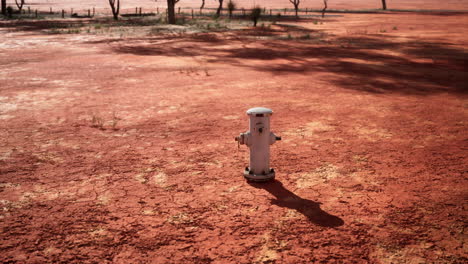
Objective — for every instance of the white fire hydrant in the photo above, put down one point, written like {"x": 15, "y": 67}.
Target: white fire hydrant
{"x": 258, "y": 139}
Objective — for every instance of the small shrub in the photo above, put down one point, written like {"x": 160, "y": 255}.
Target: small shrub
{"x": 9, "y": 11}
{"x": 231, "y": 7}
{"x": 97, "y": 122}
{"x": 181, "y": 21}
{"x": 256, "y": 14}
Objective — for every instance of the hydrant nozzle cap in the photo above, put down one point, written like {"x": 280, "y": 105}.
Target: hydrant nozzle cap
{"x": 259, "y": 110}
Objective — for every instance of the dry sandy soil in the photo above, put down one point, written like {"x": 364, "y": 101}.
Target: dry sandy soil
{"x": 117, "y": 143}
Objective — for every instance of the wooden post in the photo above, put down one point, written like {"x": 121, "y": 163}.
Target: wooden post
{"x": 50, "y": 10}
{"x": 136, "y": 10}
{"x": 270, "y": 12}
{"x": 178, "y": 11}
{"x": 306, "y": 10}
{"x": 63, "y": 13}
{"x": 89, "y": 12}
{"x": 192, "y": 13}
{"x": 140, "y": 11}
{"x": 94, "y": 11}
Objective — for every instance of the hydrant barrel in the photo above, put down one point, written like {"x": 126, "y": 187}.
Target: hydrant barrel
{"x": 259, "y": 127}
{"x": 258, "y": 139}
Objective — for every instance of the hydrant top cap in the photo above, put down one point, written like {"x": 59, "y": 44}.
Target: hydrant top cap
{"x": 259, "y": 110}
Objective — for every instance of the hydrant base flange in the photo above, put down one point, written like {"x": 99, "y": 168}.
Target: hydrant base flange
{"x": 259, "y": 177}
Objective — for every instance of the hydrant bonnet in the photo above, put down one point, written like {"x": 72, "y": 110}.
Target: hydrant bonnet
{"x": 259, "y": 111}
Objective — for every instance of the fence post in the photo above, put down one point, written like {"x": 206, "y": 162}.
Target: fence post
{"x": 192, "y": 13}
{"x": 89, "y": 12}
{"x": 179, "y": 11}
{"x": 50, "y": 12}
{"x": 63, "y": 13}
{"x": 36, "y": 13}
{"x": 140, "y": 11}
{"x": 94, "y": 11}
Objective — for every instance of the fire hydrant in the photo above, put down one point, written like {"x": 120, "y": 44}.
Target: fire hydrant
{"x": 258, "y": 139}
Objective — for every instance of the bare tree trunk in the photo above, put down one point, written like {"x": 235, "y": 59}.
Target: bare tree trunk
{"x": 4, "y": 11}
{"x": 202, "y": 5}
{"x": 296, "y": 6}
{"x": 115, "y": 6}
{"x": 20, "y": 4}
{"x": 220, "y": 7}
{"x": 324, "y": 8}
{"x": 384, "y": 5}
{"x": 171, "y": 18}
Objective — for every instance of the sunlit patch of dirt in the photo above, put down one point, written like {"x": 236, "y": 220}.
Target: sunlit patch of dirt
{"x": 318, "y": 176}
{"x": 159, "y": 179}
{"x": 307, "y": 131}
{"x": 267, "y": 253}
{"x": 371, "y": 132}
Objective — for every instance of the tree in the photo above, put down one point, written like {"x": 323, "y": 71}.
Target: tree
{"x": 296, "y": 5}
{"x": 171, "y": 19}
{"x": 115, "y": 6}
{"x": 231, "y": 8}
{"x": 20, "y": 4}
{"x": 324, "y": 8}
{"x": 4, "y": 11}
{"x": 384, "y": 5}
{"x": 202, "y": 5}
{"x": 220, "y": 7}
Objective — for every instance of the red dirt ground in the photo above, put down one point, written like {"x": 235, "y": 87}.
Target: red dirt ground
{"x": 121, "y": 149}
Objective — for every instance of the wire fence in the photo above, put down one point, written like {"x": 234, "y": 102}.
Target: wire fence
{"x": 36, "y": 11}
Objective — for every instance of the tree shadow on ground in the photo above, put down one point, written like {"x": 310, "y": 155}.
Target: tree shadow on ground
{"x": 310, "y": 209}
{"x": 375, "y": 63}
{"x": 40, "y": 25}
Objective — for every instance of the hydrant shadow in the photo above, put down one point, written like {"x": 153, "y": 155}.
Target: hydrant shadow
{"x": 310, "y": 209}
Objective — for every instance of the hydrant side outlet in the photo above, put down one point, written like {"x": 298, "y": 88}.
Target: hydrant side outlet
{"x": 258, "y": 139}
